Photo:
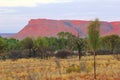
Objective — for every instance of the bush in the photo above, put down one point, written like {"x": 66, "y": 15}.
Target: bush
{"x": 16, "y": 54}
{"x": 4, "y": 57}
{"x": 62, "y": 54}
{"x": 79, "y": 68}
{"x": 73, "y": 68}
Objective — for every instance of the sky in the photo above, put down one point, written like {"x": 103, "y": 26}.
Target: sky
{"x": 15, "y": 14}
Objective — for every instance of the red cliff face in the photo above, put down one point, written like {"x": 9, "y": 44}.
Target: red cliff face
{"x": 47, "y": 27}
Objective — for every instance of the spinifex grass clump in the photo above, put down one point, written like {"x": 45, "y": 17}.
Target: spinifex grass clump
{"x": 73, "y": 68}
{"x": 79, "y": 68}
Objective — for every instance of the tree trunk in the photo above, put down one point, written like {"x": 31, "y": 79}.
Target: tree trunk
{"x": 112, "y": 51}
{"x": 79, "y": 54}
{"x": 94, "y": 65}
{"x": 29, "y": 52}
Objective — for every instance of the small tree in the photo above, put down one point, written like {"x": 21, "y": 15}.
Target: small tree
{"x": 12, "y": 44}
{"x": 2, "y": 44}
{"x": 41, "y": 42}
{"x": 67, "y": 40}
{"x": 41, "y": 45}
{"x": 62, "y": 40}
{"x": 80, "y": 43}
{"x": 111, "y": 42}
{"x": 70, "y": 41}
{"x": 27, "y": 43}
{"x": 93, "y": 39}
{"x": 53, "y": 43}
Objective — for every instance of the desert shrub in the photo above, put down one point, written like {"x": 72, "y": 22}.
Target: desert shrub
{"x": 4, "y": 57}
{"x": 116, "y": 51}
{"x": 79, "y": 68}
{"x": 43, "y": 53}
{"x": 16, "y": 54}
{"x": 62, "y": 54}
{"x": 73, "y": 68}
{"x": 103, "y": 52}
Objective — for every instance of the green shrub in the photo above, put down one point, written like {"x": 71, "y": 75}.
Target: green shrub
{"x": 76, "y": 68}
{"x": 73, "y": 68}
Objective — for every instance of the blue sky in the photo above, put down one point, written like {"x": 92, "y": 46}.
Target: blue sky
{"x": 15, "y": 14}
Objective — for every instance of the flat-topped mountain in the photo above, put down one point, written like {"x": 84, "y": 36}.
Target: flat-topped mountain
{"x": 48, "y": 27}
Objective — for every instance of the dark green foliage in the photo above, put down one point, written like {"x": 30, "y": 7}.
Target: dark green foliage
{"x": 70, "y": 44}
{"x": 44, "y": 47}
{"x": 53, "y": 43}
{"x": 66, "y": 40}
{"x": 41, "y": 42}
{"x": 27, "y": 43}
{"x": 12, "y": 44}
{"x": 110, "y": 42}
{"x": 41, "y": 48}
{"x": 2, "y": 44}
{"x": 62, "y": 40}
{"x": 80, "y": 43}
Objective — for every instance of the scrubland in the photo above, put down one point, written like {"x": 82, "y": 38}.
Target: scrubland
{"x": 108, "y": 68}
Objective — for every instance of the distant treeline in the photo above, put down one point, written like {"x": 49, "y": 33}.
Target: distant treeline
{"x": 61, "y": 46}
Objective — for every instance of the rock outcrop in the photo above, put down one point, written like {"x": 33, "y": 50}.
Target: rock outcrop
{"x": 48, "y": 27}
